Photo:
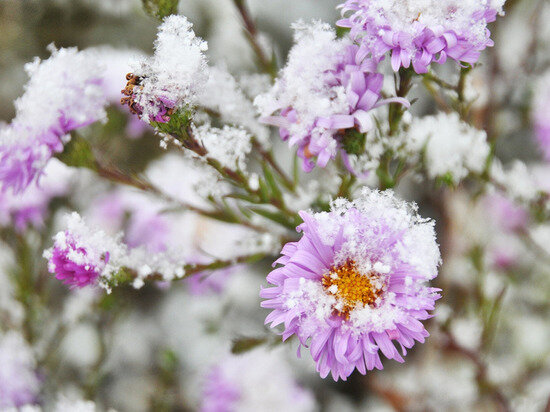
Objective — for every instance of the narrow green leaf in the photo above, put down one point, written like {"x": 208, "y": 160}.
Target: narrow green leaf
{"x": 272, "y": 183}
{"x": 243, "y": 345}
{"x": 160, "y": 8}
{"x": 264, "y": 190}
{"x": 277, "y": 217}
{"x": 240, "y": 196}
{"x": 78, "y": 153}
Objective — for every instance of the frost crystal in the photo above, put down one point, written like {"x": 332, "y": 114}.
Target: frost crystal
{"x": 452, "y": 148}
{"x": 176, "y": 72}
{"x": 223, "y": 95}
{"x": 421, "y": 31}
{"x": 520, "y": 182}
{"x": 355, "y": 282}
{"x": 229, "y": 145}
{"x": 70, "y": 404}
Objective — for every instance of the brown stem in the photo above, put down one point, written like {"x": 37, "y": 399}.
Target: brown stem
{"x": 482, "y": 372}
{"x": 115, "y": 175}
{"x": 252, "y": 35}
{"x": 192, "y": 269}
{"x": 237, "y": 177}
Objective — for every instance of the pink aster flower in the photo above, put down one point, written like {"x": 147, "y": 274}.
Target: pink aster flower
{"x": 421, "y": 32}
{"x": 24, "y": 154}
{"x": 63, "y": 94}
{"x": 355, "y": 283}
{"x": 324, "y": 95}
{"x": 80, "y": 255}
{"x": 251, "y": 381}
{"x": 74, "y": 261}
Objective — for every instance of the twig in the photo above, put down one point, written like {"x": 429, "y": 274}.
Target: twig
{"x": 440, "y": 82}
{"x": 239, "y": 179}
{"x": 252, "y": 34}
{"x": 192, "y": 268}
{"x": 481, "y": 376}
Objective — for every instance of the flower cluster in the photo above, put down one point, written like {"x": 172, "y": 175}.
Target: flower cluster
{"x": 355, "y": 283}
{"x": 164, "y": 108}
{"x": 421, "y": 32}
{"x": 64, "y": 93}
{"x": 324, "y": 96}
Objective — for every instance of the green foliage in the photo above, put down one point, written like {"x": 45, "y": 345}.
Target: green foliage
{"x": 168, "y": 362}
{"x": 178, "y": 124}
{"x": 289, "y": 221}
{"x": 78, "y": 153}
{"x": 123, "y": 276}
{"x": 353, "y": 141}
{"x": 342, "y": 31}
{"x": 385, "y": 177}
{"x": 108, "y": 302}
{"x": 447, "y": 180}
{"x": 160, "y": 8}
{"x": 272, "y": 184}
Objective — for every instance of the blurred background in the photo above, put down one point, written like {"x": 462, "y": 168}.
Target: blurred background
{"x": 152, "y": 349}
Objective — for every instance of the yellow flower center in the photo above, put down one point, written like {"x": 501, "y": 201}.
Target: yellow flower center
{"x": 351, "y": 287}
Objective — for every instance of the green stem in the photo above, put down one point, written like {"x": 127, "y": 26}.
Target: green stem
{"x": 396, "y": 110}
{"x": 434, "y": 92}
{"x": 463, "y": 106}
{"x": 440, "y": 82}
{"x": 346, "y": 185}
{"x": 384, "y": 173}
